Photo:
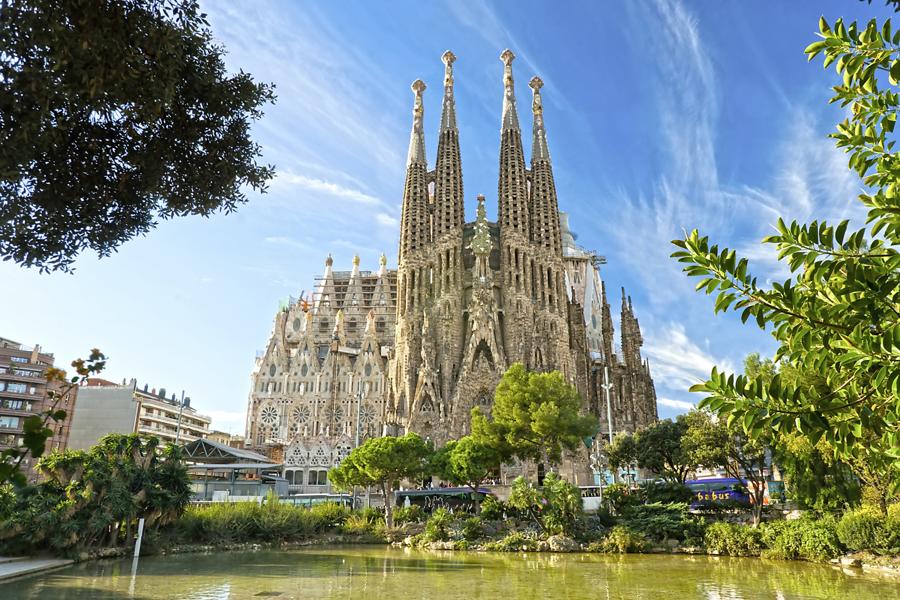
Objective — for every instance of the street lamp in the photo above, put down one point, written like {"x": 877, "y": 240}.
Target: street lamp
{"x": 180, "y": 412}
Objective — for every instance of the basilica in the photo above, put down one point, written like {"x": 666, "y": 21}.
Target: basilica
{"x": 384, "y": 352}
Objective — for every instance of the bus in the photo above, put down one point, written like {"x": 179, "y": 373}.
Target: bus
{"x": 719, "y": 491}
{"x": 308, "y": 500}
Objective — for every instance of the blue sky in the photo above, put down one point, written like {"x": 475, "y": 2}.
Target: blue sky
{"x": 661, "y": 116}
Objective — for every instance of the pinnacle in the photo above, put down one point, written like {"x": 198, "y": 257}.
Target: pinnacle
{"x": 448, "y": 58}
{"x": 507, "y": 56}
{"x": 418, "y": 86}
{"x": 536, "y": 83}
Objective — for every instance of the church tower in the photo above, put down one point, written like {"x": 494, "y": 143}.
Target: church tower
{"x": 413, "y": 277}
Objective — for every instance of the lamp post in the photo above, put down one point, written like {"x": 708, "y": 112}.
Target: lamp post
{"x": 607, "y": 385}
{"x": 180, "y": 412}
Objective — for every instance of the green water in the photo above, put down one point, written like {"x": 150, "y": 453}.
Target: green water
{"x": 379, "y": 573}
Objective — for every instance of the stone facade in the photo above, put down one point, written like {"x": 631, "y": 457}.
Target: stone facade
{"x": 415, "y": 349}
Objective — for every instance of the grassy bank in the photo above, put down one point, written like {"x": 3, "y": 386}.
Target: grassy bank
{"x": 645, "y": 528}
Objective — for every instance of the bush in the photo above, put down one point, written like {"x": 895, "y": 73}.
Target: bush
{"x": 620, "y": 539}
{"x": 408, "y": 514}
{"x": 364, "y": 523}
{"x": 868, "y": 529}
{"x": 806, "y": 538}
{"x": 516, "y": 541}
{"x": 660, "y": 522}
{"x": 621, "y": 496}
{"x": 331, "y": 514}
{"x": 666, "y": 492}
{"x": 224, "y": 522}
{"x": 472, "y": 529}
{"x": 733, "y": 539}
{"x": 556, "y": 507}
{"x": 437, "y": 528}
{"x": 492, "y": 509}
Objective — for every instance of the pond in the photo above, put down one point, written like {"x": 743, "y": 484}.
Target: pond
{"x": 383, "y": 573}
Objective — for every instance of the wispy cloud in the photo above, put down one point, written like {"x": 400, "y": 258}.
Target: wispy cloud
{"x": 278, "y": 240}
{"x": 681, "y": 405}
{"x": 387, "y": 220}
{"x": 676, "y": 361}
{"x": 328, "y": 187}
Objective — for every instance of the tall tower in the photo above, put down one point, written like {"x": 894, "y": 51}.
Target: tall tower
{"x": 413, "y": 271}
{"x": 512, "y": 202}
{"x": 449, "y": 217}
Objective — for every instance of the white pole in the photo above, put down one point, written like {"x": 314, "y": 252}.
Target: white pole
{"x": 606, "y": 386}
{"x": 180, "y": 411}
{"x": 140, "y": 536}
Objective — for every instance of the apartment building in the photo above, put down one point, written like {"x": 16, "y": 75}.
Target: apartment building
{"x": 24, "y": 392}
{"x": 107, "y": 407}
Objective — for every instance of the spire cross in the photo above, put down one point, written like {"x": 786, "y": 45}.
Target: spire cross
{"x": 448, "y": 58}
{"x": 418, "y": 86}
{"x": 536, "y": 84}
{"x": 507, "y": 58}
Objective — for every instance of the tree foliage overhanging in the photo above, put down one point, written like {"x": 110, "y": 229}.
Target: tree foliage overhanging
{"x": 114, "y": 114}
{"x": 838, "y": 316}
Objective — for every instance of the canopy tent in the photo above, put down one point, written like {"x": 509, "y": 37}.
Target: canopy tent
{"x": 211, "y": 452}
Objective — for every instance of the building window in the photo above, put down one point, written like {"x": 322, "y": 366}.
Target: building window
{"x": 318, "y": 478}
{"x": 8, "y": 422}
{"x": 18, "y": 359}
{"x": 18, "y": 388}
{"x": 16, "y": 404}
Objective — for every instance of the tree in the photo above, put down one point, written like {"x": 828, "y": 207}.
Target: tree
{"x": 713, "y": 443}
{"x": 383, "y": 462}
{"x": 555, "y": 508}
{"x": 622, "y": 453}
{"x": 468, "y": 462}
{"x": 838, "y": 316}
{"x": 115, "y": 114}
{"x": 535, "y": 416}
{"x": 815, "y": 479}
{"x": 37, "y": 428}
{"x": 91, "y": 499}
{"x": 659, "y": 448}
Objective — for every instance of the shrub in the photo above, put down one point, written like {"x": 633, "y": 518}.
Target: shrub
{"x": 492, "y": 509}
{"x": 472, "y": 529}
{"x": 556, "y": 507}
{"x": 807, "y": 538}
{"x": 331, "y": 514}
{"x": 868, "y": 529}
{"x": 437, "y": 528}
{"x": 620, "y": 539}
{"x": 661, "y": 522}
{"x": 666, "y": 492}
{"x": 733, "y": 539}
{"x": 621, "y": 496}
{"x": 408, "y": 514}
{"x": 364, "y": 523}
{"x": 515, "y": 541}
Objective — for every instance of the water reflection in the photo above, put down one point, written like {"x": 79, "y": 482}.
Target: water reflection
{"x": 379, "y": 573}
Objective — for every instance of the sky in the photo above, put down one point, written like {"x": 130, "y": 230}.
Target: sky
{"x": 662, "y": 116}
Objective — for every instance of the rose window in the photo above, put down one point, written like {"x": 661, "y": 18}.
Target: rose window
{"x": 334, "y": 413}
{"x": 268, "y": 415}
{"x": 300, "y": 415}
{"x": 367, "y": 414}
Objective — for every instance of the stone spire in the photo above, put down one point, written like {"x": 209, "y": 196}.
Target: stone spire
{"x": 512, "y": 190}
{"x": 510, "y": 117}
{"x": 631, "y": 334}
{"x": 448, "y": 113}
{"x": 414, "y": 220}
{"x": 545, "y": 229}
{"x": 417, "y": 136}
{"x": 539, "y": 149}
{"x": 448, "y": 185}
